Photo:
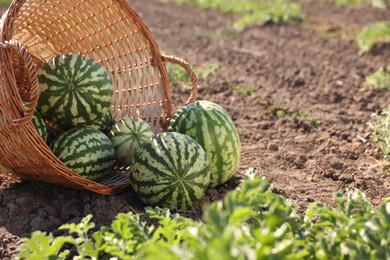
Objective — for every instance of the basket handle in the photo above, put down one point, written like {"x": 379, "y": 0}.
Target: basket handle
{"x": 191, "y": 73}
{"x": 32, "y": 76}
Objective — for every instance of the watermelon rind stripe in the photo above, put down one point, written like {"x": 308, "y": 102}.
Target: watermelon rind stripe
{"x": 217, "y": 148}
{"x": 170, "y": 171}
{"x": 157, "y": 166}
{"x": 40, "y": 125}
{"x": 127, "y": 136}
{"x": 88, "y": 99}
{"x": 211, "y": 126}
{"x": 86, "y": 151}
{"x": 167, "y": 155}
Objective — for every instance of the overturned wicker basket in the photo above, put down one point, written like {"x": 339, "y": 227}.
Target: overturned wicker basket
{"x": 108, "y": 31}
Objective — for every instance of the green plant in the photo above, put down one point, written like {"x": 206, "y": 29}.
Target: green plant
{"x": 380, "y": 126}
{"x": 353, "y": 230}
{"x": 300, "y": 117}
{"x": 179, "y": 77}
{"x": 244, "y": 90}
{"x": 252, "y": 11}
{"x": 373, "y": 34}
{"x": 379, "y": 79}
{"x": 251, "y": 222}
{"x": 222, "y": 33}
{"x": 376, "y": 3}
{"x": 280, "y": 111}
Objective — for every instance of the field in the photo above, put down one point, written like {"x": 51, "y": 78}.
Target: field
{"x": 295, "y": 92}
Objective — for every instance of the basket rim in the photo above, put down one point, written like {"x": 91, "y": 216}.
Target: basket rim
{"x": 6, "y": 31}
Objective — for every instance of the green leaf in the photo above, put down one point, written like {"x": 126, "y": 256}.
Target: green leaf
{"x": 240, "y": 215}
{"x": 373, "y": 34}
{"x": 43, "y": 246}
{"x": 378, "y": 80}
{"x": 215, "y": 217}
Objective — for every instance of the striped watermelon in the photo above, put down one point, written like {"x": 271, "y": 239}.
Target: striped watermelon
{"x": 211, "y": 126}
{"x": 86, "y": 151}
{"x": 104, "y": 123}
{"x": 128, "y": 135}
{"x": 40, "y": 125}
{"x": 170, "y": 171}
{"x": 74, "y": 90}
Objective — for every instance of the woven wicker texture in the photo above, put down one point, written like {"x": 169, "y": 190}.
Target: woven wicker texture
{"x": 110, "y": 32}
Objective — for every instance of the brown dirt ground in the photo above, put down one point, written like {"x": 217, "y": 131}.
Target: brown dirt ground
{"x": 311, "y": 67}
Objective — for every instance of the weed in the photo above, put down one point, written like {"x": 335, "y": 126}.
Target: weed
{"x": 220, "y": 33}
{"x": 299, "y": 117}
{"x": 376, "y": 3}
{"x": 379, "y": 79}
{"x": 380, "y": 126}
{"x": 254, "y": 12}
{"x": 373, "y": 34}
{"x": 280, "y": 111}
{"x": 178, "y": 76}
{"x": 244, "y": 90}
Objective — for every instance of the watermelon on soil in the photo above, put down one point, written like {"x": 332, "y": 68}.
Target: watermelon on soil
{"x": 74, "y": 90}
{"x": 127, "y": 136}
{"x": 211, "y": 126}
{"x": 170, "y": 171}
{"x": 86, "y": 151}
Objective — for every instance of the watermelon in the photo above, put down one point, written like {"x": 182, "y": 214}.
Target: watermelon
{"x": 86, "y": 151}
{"x": 74, "y": 90}
{"x": 211, "y": 126}
{"x": 38, "y": 122}
{"x": 127, "y": 136}
{"x": 40, "y": 125}
{"x": 171, "y": 171}
{"x": 104, "y": 123}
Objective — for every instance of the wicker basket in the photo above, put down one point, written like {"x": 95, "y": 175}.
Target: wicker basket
{"x": 108, "y": 31}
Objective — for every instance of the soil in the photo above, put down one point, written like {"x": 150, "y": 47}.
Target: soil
{"x": 312, "y": 67}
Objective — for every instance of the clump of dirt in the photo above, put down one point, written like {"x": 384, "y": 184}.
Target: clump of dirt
{"x": 311, "y": 68}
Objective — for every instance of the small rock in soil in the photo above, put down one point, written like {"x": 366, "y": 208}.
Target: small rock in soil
{"x": 329, "y": 173}
{"x": 300, "y": 161}
{"x": 42, "y": 213}
{"x": 23, "y": 201}
{"x": 212, "y": 193}
{"x": 347, "y": 177}
{"x": 273, "y": 147}
{"x": 337, "y": 165}
{"x": 37, "y": 223}
{"x": 14, "y": 210}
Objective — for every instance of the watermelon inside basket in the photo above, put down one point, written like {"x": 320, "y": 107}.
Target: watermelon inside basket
{"x": 107, "y": 31}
